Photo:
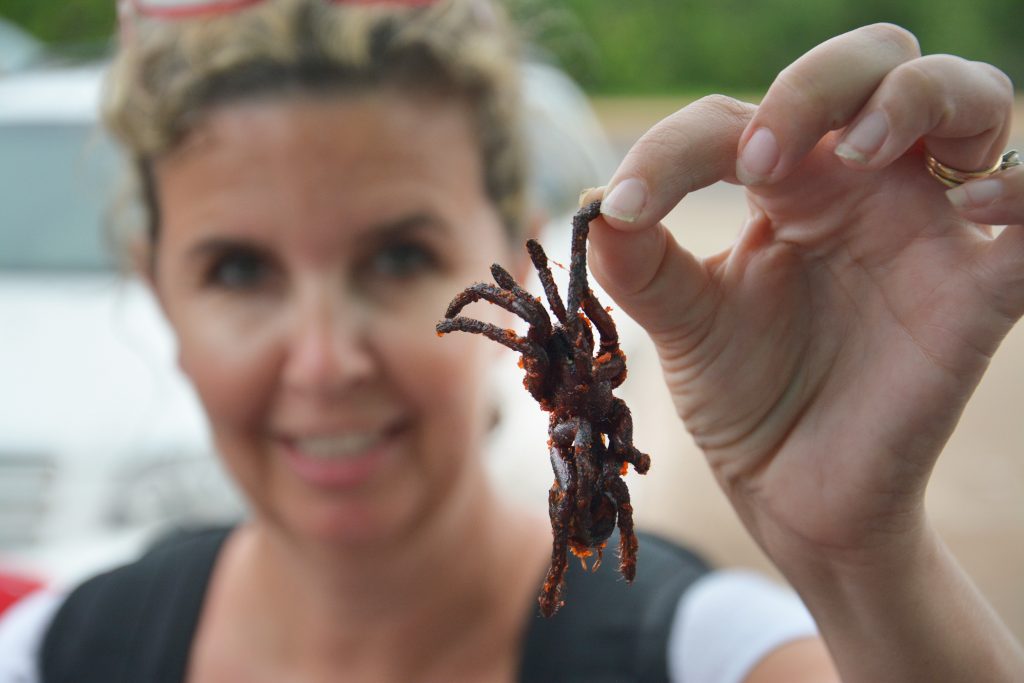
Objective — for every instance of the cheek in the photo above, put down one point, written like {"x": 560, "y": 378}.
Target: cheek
{"x": 446, "y": 380}
{"x": 231, "y": 362}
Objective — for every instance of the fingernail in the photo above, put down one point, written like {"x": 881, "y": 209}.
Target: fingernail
{"x": 626, "y": 200}
{"x": 759, "y": 157}
{"x": 976, "y": 194}
{"x": 865, "y": 139}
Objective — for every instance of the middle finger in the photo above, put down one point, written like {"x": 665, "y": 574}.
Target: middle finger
{"x": 821, "y": 91}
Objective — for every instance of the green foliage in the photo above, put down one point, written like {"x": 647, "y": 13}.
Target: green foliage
{"x": 68, "y": 24}
{"x": 669, "y": 46}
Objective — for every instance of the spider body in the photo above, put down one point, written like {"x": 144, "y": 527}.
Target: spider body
{"x": 591, "y": 430}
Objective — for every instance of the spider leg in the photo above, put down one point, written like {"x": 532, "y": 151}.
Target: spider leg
{"x": 602, "y": 321}
{"x": 610, "y": 361}
{"x": 547, "y": 280}
{"x": 577, "y": 322}
{"x": 620, "y": 437}
{"x": 627, "y": 536}
{"x": 610, "y": 367}
{"x": 578, "y": 285}
{"x": 540, "y": 322}
{"x": 560, "y": 499}
{"x": 528, "y": 309}
{"x": 582, "y": 350}
{"x": 535, "y": 358}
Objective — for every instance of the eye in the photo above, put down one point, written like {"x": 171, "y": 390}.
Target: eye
{"x": 402, "y": 260}
{"x": 239, "y": 269}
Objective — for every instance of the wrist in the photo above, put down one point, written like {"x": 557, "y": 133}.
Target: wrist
{"x": 887, "y": 558}
{"x": 904, "y": 611}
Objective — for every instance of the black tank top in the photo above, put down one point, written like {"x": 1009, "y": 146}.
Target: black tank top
{"x": 135, "y": 624}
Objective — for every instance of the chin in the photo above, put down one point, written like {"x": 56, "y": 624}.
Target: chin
{"x": 358, "y": 522}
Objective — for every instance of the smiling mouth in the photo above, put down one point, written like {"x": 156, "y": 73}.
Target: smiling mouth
{"x": 338, "y": 447}
{"x": 344, "y": 459}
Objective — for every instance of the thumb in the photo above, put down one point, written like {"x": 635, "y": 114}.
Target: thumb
{"x": 648, "y": 274}
{"x": 633, "y": 256}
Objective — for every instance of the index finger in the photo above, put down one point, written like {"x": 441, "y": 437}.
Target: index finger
{"x": 690, "y": 149}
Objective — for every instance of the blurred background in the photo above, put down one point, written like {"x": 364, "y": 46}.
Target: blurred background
{"x": 101, "y": 442}
{"x": 659, "y": 46}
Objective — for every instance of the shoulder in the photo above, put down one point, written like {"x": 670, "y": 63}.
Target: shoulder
{"x": 22, "y": 628}
{"x": 728, "y": 621}
{"x": 172, "y": 560}
{"x": 610, "y": 630}
{"x": 149, "y": 610}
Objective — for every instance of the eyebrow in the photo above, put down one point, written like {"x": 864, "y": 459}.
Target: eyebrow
{"x": 390, "y": 230}
{"x": 218, "y": 245}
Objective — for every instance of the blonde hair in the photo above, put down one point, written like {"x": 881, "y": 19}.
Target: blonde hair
{"x": 170, "y": 73}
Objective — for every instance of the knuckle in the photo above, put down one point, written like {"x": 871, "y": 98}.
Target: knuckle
{"x": 710, "y": 109}
{"x": 725, "y": 107}
{"x": 802, "y": 89}
{"x": 896, "y": 37}
{"x": 809, "y": 97}
{"x": 662, "y": 137}
{"x": 1002, "y": 82}
{"x": 941, "y": 80}
{"x": 920, "y": 76}
{"x": 919, "y": 80}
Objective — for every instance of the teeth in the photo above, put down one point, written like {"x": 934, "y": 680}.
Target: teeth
{"x": 332, "y": 447}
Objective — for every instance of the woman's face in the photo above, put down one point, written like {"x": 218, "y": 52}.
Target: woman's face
{"x": 307, "y": 249}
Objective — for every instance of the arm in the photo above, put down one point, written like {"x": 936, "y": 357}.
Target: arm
{"x": 823, "y": 361}
{"x": 802, "y": 661}
{"x": 865, "y": 612}
{"x": 917, "y": 617}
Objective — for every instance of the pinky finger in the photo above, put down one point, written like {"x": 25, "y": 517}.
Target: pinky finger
{"x": 996, "y": 200}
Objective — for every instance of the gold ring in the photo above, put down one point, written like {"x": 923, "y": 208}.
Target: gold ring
{"x": 951, "y": 177}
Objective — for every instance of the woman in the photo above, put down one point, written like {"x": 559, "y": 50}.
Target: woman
{"x": 321, "y": 179}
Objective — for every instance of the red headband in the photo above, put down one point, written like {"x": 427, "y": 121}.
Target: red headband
{"x": 183, "y": 9}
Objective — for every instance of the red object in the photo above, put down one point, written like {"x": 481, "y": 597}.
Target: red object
{"x": 14, "y": 587}
{"x": 180, "y": 9}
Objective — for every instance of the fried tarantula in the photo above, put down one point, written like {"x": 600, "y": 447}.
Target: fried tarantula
{"x": 573, "y": 383}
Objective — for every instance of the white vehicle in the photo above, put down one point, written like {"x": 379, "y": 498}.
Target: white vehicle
{"x": 102, "y": 442}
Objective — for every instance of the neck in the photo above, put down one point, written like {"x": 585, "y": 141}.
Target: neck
{"x": 475, "y": 555}
{"x": 451, "y": 546}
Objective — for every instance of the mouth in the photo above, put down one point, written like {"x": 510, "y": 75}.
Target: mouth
{"x": 343, "y": 459}
{"x": 338, "y": 446}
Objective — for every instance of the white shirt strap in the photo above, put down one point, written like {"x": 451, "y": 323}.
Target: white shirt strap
{"x": 727, "y": 621}
{"x": 22, "y": 629}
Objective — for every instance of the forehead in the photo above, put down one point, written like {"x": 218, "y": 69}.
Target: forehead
{"x": 309, "y": 159}
{"x": 358, "y": 123}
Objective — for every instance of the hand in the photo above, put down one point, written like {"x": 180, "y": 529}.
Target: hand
{"x": 823, "y": 360}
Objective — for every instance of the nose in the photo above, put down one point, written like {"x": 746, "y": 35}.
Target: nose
{"x": 328, "y": 352}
